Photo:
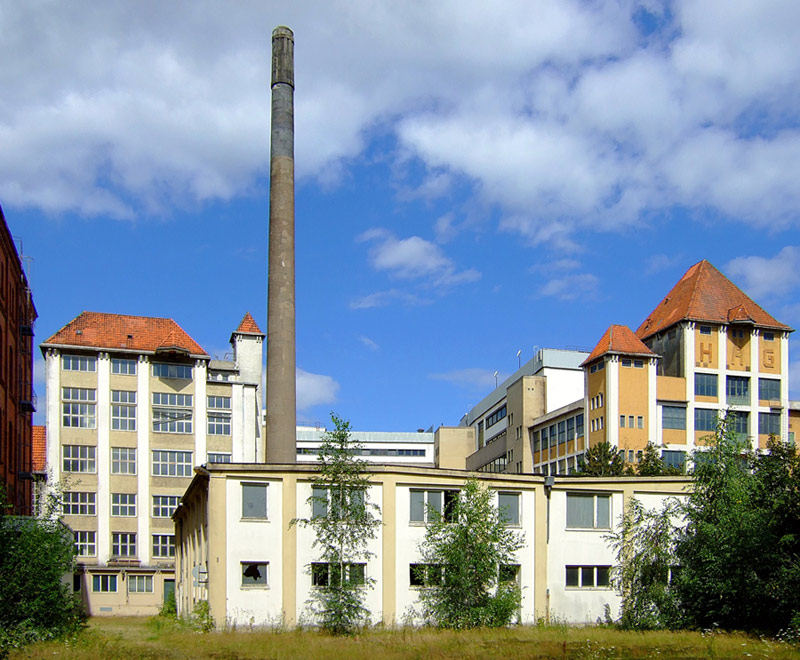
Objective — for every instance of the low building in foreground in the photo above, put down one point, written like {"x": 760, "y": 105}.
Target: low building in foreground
{"x": 236, "y": 549}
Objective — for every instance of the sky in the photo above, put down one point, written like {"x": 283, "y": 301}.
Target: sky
{"x": 474, "y": 179}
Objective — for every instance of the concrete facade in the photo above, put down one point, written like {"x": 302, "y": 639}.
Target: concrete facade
{"x": 133, "y": 406}
{"x": 215, "y": 543}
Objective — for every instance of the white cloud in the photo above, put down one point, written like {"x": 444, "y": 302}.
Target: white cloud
{"x": 765, "y": 277}
{"x": 384, "y": 298}
{"x": 414, "y": 258}
{"x": 570, "y": 287}
{"x": 314, "y": 390}
{"x": 369, "y": 343}
{"x": 577, "y": 123}
{"x": 472, "y": 378}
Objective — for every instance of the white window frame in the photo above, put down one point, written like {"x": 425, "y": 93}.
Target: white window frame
{"x": 172, "y": 371}
{"x": 597, "y": 523}
{"x": 518, "y": 513}
{"x": 123, "y": 544}
{"x": 163, "y": 546}
{"x": 79, "y": 503}
{"x": 85, "y": 543}
{"x": 171, "y": 463}
{"x": 78, "y": 363}
{"x": 123, "y": 367}
{"x": 246, "y": 565}
{"x": 103, "y": 583}
{"x": 257, "y": 515}
{"x": 82, "y": 457}
{"x": 123, "y": 410}
{"x": 581, "y": 572}
{"x": 219, "y": 457}
{"x": 164, "y": 505}
{"x": 78, "y": 407}
{"x": 172, "y": 413}
{"x": 123, "y": 505}
{"x": 140, "y": 584}
{"x": 123, "y": 460}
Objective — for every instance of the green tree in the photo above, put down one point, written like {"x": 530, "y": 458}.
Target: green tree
{"x": 652, "y": 465}
{"x": 37, "y": 559}
{"x": 645, "y": 549}
{"x": 470, "y": 550}
{"x": 344, "y": 521}
{"x": 602, "y": 460}
{"x": 740, "y": 552}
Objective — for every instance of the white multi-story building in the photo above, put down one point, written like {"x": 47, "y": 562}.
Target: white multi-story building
{"x": 134, "y": 404}
{"x": 374, "y": 446}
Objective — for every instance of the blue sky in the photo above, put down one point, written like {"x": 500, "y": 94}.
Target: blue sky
{"x": 473, "y": 180}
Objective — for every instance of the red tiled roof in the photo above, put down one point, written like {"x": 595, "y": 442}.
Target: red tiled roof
{"x": 39, "y": 449}
{"x": 118, "y": 331}
{"x": 248, "y": 326}
{"x": 705, "y": 294}
{"x": 621, "y": 340}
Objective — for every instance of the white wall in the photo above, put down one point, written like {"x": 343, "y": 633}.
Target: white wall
{"x": 563, "y": 387}
{"x": 254, "y": 540}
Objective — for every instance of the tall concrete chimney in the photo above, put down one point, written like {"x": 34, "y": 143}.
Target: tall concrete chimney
{"x": 281, "y": 394}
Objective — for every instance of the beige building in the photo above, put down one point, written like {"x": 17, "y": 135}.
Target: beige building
{"x": 707, "y": 349}
{"x": 237, "y": 550}
{"x": 134, "y": 404}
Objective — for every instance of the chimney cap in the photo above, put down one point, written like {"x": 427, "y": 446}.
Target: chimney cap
{"x": 282, "y": 31}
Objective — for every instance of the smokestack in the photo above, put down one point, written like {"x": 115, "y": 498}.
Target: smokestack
{"x": 281, "y": 395}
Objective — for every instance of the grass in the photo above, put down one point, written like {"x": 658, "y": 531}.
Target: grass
{"x": 135, "y": 637}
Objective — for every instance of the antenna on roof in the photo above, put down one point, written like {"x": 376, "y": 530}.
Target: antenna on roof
{"x": 495, "y": 378}
{"x": 519, "y": 363}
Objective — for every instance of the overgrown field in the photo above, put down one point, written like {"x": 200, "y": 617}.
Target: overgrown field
{"x": 160, "y": 638}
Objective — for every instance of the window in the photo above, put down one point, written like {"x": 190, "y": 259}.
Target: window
{"x": 425, "y": 575}
{"x": 123, "y": 410}
{"x": 104, "y": 583}
{"x": 705, "y": 329}
{"x": 172, "y": 413}
{"x": 738, "y": 390}
{"x": 739, "y": 422}
{"x": 673, "y": 417}
{"x": 123, "y": 460}
{"x": 254, "y": 501}
{"x": 123, "y": 504}
{"x": 78, "y": 363}
{"x": 769, "y": 336}
{"x": 535, "y": 439}
{"x": 496, "y": 416}
{"x": 324, "y": 574}
{"x": 123, "y": 366}
{"x": 588, "y": 511}
{"x": 78, "y": 458}
{"x": 425, "y": 503}
{"x": 630, "y": 421}
{"x": 705, "y": 419}
{"x": 571, "y": 428}
{"x": 172, "y": 463}
{"x": 218, "y": 457}
{"x": 638, "y": 364}
{"x": 674, "y": 458}
{"x": 162, "y": 370}
{"x": 219, "y": 415}
{"x": 325, "y": 502}
{"x": 705, "y": 384}
{"x": 769, "y": 389}
{"x": 140, "y": 584}
{"x": 588, "y": 577}
{"x": 163, "y": 545}
{"x": 123, "y": 544}
{"x": 78, "y": 504}
{"x": 508, "y": 574}
{"x": 254, "y": 574}
{"x": 508, "y": 507}
{"x": 579, "y": 425}
{"x": 78, "y": 407}
{"x": 85, "y": 545}
{"x": 639, "y": 422}
{"x": 622, "y": 421}
{"x": 769, "y": 423}
{"x": 626, "y": 362}
{"x": 164, "y": 505}
{"x": 562, "y": 433}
